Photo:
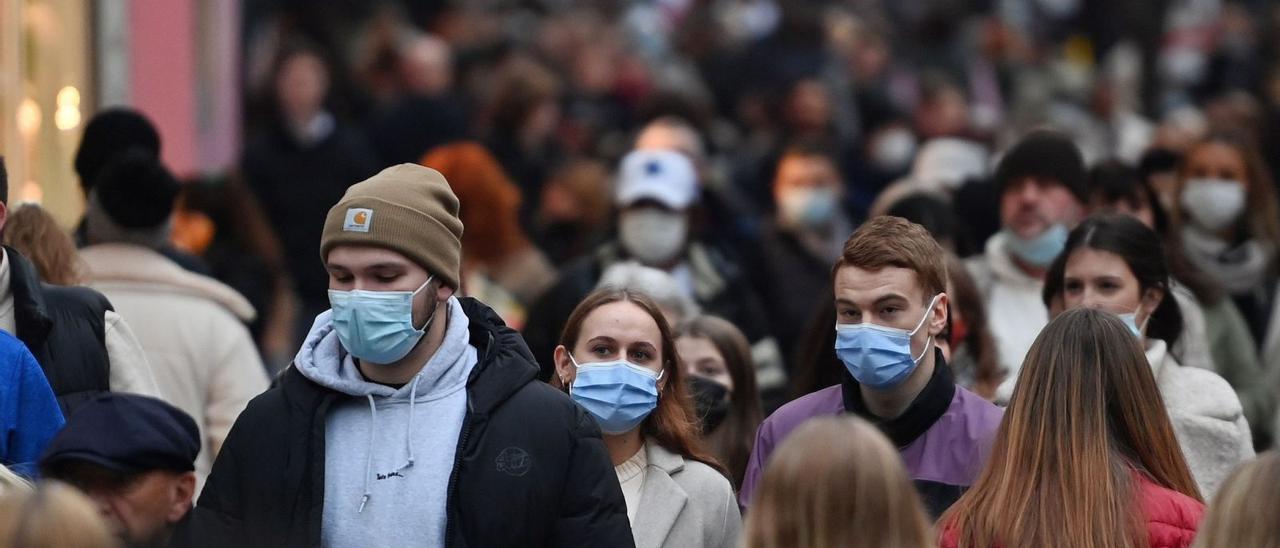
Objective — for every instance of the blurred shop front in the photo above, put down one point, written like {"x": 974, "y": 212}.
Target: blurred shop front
{"x": 61, "y": 61}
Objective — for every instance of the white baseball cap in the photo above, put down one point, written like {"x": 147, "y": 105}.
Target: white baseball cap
{"x": 948, "y": 162}
{"x": 664, "y": 176}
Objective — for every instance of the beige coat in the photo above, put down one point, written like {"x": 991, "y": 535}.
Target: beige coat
{"x": 1206, "y": 415}
{"x": 191, "y": 328}
{"x": 684, "y": 504}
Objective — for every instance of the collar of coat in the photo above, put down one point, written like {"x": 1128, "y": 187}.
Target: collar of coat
{"x": 135, "y": 266}
{"x": 31, "y": 316}
{"x": 930, "y": 404}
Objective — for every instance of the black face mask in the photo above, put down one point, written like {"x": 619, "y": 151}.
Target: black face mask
{"x": 711, "y": 401}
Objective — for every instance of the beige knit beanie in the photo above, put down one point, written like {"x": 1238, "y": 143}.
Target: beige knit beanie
{"x": 407, "y": 208}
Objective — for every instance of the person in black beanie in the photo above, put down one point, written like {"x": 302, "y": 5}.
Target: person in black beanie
{"x": 134, "y": 456}
{"x": 1042, "y": 191}
{"x": 109, "y": 134}
{"x": 178, "y": 316}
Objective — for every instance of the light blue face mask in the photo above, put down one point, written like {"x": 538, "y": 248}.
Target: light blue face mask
{"x": 377, "y": 326}
{"x": 880, "y": 357}
{"x": 1041, "y": 250}
{"x": 619, "y": 394}
{"x": 1131, "y": 321}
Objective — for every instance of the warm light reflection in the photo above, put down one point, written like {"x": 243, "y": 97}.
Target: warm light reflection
{"x": 32, "y": 193}
{"x": 68, "y": 97}
{"x": 67, "y": 116}
{"x": 28, "y": 118}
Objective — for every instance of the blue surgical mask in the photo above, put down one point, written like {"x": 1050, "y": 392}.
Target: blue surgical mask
{"x": 1131, "y": 321}
{"x": 880, "y": 357}
{"x": 377, "y": 326}
{"x": 1040, "y": 250}
{"x": 619, "y": 394}
{"x": 808, "y": 207}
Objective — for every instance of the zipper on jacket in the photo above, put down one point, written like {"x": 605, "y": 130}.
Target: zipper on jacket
{"x": 450, "y": 501}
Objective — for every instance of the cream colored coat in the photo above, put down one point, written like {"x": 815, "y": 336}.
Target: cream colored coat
{"x": 192, "y": 330}
{"x": 684, "y": 504}
{"x": 1207, "y": 418}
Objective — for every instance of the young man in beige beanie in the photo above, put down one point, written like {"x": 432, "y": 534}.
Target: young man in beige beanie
{"x": 410, "y": 417}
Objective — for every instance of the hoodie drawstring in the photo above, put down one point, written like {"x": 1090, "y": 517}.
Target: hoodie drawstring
{"x": 368, "y": 463}
{"x": 408, "y": 434}
{"x": 408, "y": 439}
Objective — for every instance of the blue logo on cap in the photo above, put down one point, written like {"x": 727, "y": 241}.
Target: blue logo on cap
{"x": 652, "y": 168}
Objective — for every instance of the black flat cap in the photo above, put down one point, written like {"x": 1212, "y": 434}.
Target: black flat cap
{"x": 126, "y": 433}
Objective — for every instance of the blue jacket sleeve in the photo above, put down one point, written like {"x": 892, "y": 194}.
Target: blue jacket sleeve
{"x": 38, "y": 417}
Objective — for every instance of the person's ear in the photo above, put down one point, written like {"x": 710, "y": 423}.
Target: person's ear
{"x": 444, "y": 292}
{"x": 4, "y": 215}
{"x": 181, "y": 494}
{"x": 938, "y": 315}
{"x": 1151, "y": 299}
{"x": 564, "y": 367}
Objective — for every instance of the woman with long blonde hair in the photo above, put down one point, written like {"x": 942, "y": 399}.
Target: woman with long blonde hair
{"x": 53, "y": 515}
{"x": 837, "y": 482}
{"x": 1246, "y": 511}
{"x": 1086, "y": 456}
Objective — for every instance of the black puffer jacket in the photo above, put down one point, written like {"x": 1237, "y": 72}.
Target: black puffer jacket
{"x": 65, "y": 330}
{"x": 531, "y": 468}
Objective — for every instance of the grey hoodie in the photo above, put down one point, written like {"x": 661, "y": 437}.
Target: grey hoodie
{"x": 389, "y": 453}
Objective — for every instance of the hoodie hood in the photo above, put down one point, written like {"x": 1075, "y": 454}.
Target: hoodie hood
{"x": 323, "y": 360}
{"x": 504, "y": 361}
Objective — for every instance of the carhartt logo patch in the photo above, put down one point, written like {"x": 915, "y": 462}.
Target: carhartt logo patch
{"x": 358, "y": 220}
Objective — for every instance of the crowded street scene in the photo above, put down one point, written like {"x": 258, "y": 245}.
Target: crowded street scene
{"x": 640, "y": 273}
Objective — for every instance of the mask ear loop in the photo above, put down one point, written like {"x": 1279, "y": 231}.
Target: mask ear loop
{"x": 434, "y": 309}
{"x": 928, "y": 343}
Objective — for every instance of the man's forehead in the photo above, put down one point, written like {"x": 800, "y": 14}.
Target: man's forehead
{"x": 860, "y": 284}
{"x": 359, "y": 256}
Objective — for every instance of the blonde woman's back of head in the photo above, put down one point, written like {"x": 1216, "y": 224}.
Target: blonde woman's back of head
{"x": 837, "y": 482}
{"x": 1246, "y": 510}
{"x": 11, "y": 482}
{"x": 54, "y": 515}
{"x": 32, "y": 231}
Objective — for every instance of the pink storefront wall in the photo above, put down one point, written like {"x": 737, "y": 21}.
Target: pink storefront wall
{"x": 196, "y": 114}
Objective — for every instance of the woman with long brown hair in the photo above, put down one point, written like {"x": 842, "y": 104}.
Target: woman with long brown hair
{"x": 717, "y": 357}
{"x": 1086, "y": 455}
{"x": 837, "y": 482}
{"x": 617, "y": 359}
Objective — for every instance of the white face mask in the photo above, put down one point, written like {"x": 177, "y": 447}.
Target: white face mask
{"x": 652, "y": 235}
{"x": 1213, "y": 204}
{"x": 894, "y": 149}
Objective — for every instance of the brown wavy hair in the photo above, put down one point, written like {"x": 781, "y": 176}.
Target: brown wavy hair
{"x": 673, "y": 424}
{"x": 36, "y": 235}
{"x": 1085, "y": 417}
{"x": 489, "y": 203}
{"x": 837, "y": 482}
{"x": 733, "y": 440}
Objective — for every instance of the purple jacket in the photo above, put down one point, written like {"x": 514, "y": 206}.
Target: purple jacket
{"x": 943, "y": 460}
